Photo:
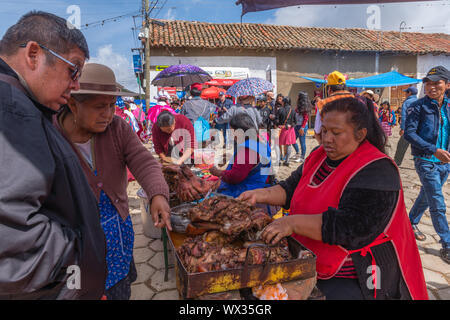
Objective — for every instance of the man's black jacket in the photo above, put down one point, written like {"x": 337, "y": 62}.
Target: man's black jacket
{"x": 49, "y": 221}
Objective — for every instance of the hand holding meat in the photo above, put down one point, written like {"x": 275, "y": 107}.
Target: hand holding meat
{"x": 252, "y": 197}
{"x": 186, "y": 184}
{"x": 277, "y": 230}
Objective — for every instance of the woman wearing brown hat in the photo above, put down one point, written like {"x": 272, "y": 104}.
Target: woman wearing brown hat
{"x": 106, "y": 145}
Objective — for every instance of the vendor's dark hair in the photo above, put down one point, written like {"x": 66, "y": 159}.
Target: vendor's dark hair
{"x": 242, "y": 121}
{"x": 303, "y": 103}
{"x": 46, "y": 29}
{"x": 362, "y": 116}
{"x": 195, "y": 92}
{"x": 287, "y": 101}
{"x": 165, "y": 119}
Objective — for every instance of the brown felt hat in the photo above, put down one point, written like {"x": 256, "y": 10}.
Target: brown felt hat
{"x": 100, "y": 79}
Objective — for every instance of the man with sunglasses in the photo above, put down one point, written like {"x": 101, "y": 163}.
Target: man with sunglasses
{"x": 52, "y": 245}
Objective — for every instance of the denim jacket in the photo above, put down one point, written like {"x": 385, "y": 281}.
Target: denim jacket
{"x": 422, "y": 126}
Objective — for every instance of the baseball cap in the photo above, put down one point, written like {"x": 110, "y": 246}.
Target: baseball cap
{"x": 335, "y": 78}
{"x": 261, "y": 97}
{"x": 412, "y": 90}
{"x": 197, "y": 86}
{"x": 436, "y": 74}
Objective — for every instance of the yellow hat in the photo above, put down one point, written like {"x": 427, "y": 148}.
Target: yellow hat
{"x": 335, "y": 78}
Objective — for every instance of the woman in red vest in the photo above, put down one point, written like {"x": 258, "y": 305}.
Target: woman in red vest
{"x": 346, "y": 205}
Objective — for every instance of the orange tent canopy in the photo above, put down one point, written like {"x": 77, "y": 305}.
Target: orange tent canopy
{"x": 212, "y": 93}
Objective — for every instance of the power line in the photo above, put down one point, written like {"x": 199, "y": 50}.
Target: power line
{"x": 102, "y": 22}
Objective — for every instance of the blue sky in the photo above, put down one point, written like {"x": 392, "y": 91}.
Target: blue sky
{"x": 111, "y": 43}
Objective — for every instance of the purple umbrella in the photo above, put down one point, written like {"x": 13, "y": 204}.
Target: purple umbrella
{"x": 181, "y": 76}
{"x": 249, "y": 87}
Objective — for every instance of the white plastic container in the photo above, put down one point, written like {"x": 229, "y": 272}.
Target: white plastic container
{"x": 150, "y": 231}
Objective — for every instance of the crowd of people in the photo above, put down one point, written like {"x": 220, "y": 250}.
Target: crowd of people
{"x": 70, "y": 139}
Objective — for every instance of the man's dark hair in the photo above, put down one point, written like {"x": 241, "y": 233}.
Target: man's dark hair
{"x": 46, "y": 29}
{"x": 337, "y": 87}
{"x": 165, "y": 119}
{"x": 361, "y": 115}
{"x": 195, "y": 92}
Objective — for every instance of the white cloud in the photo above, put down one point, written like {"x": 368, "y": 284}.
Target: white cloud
{"x": 171, "y": 14}
{"x": 122, "y": 67}
{"x": 418, "y": 16}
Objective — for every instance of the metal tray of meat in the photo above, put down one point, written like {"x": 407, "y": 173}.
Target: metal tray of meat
{"x": 192, "y": 285}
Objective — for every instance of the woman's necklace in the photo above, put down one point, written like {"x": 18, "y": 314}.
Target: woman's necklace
{"x": 72, "y": 129}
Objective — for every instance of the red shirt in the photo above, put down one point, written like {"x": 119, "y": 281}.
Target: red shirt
{"x": 248, "y": 159}
{"x": 183, "y": 136}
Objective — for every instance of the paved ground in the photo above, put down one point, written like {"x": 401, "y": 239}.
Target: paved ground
{"x": 149, "y": 258}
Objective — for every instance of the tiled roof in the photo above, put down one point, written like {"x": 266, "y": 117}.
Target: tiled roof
{"x": 188, "y": 34}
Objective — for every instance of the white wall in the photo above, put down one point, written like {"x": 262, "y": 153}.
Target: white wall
{"x": 428, "y": 61}
{"x": 256, "y": 65}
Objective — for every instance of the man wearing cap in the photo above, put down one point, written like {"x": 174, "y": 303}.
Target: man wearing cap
{"x": 403, "y": 144}
{"x": 336, "y": 90}
{"x": 427, "y": 129}
{"x": 198, "y": 111}
{"x": 52, "y": 244}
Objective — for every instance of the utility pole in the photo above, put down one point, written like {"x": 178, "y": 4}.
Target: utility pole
{"x": 145, "y": 6}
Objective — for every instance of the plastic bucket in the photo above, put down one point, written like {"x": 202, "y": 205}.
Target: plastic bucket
{"x": 150, "y": 231}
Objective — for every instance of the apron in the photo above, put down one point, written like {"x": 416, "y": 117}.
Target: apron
{"x": 309, "y": 199}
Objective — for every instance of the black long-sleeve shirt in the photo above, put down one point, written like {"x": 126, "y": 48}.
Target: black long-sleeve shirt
{"x": 364, "y": 210}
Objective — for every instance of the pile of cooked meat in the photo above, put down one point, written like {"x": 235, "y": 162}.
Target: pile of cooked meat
{"x": 199, "y": 255}
{"x": 187, "y": 186}
{"x": 224, "y": 228}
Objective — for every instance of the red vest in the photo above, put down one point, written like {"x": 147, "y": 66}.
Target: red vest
{"x": 308, "y": 199}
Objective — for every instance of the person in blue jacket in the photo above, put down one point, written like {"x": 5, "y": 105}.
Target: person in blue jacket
{"x": 402, "y": 145}
{"x": 427, "y": 129}
{"x": 250, "y": 167}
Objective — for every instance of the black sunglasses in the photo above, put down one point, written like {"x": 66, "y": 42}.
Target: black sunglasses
{"x": 75, "y": 73}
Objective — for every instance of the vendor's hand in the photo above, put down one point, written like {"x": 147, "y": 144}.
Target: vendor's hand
{"x": 252, "y": 197}
{"x": 301, "y": 132}
{"x": 271, "y": 116}
{"x": 215, "y": 172}
{"x": 401, "y": 132}
{"x": 168, "y": 160}
{"x": 277, "y": 230}
{"x": 189, "y": 194}
{"x": 160, "y": 211}
{"x": 442, "y": 155}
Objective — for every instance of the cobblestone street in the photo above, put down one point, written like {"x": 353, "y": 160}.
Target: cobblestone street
{"x": 149, "y": 255}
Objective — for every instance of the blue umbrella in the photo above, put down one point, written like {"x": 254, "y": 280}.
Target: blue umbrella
{"x": 249, "y": 87}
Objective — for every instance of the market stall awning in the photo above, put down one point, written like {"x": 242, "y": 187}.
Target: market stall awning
{"x": 389, "y": 79}
{"x": 222, "y": 82}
